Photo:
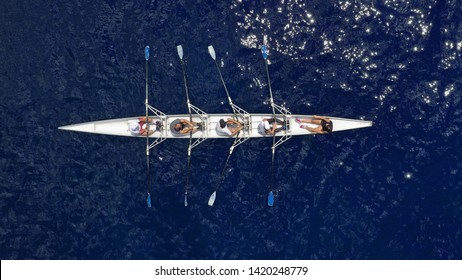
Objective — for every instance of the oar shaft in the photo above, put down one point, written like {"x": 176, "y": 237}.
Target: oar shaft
{"x": 273, "y": 150}
{"x": 231, "y": 149}
{"x": 224, "y": 84}
{"x": 264, "y": 52}
{"x": 230, "y": 101}
{"x": 189, "y": 163}
{"x": 269, "y": 87}
{"x": 223, "y": 170}
{"x": 185, "y": 81}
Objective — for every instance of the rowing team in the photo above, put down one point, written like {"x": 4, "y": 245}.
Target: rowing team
{"x": 147, "y": 126}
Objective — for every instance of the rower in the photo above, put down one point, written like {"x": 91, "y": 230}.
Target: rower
{"x": 183, "y": 126}
{"x": 229, "y": 128}
{"x": 269, "y": 126}
{"x": 143, "y": 126}
{"x": 323, "y": 124}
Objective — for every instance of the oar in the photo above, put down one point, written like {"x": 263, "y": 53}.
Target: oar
{"x": 264, "y": 52}
{"x": 213, "y": 196}
{"x": 179, "y": 49}
{"x": 146, "y": 102}
{"x": 230, "y": 101}
{"x": 214, "y": 57}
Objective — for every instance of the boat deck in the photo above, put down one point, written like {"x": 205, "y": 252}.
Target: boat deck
{"x": 119, "y": 127}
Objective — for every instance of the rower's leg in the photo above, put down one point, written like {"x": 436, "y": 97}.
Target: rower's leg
{"x": 315, "y": 130}
{"x": 313, "y": 121}
{"x": 312, "y": 129}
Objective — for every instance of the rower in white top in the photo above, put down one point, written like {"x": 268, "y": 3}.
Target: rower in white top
{"x": 230, "y": 127}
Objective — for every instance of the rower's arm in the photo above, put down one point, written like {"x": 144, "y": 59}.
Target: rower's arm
{"x": 240, "y": 125}
{"x": 185, "y": 130}
{"x": 186, "y": 122}
{"x": 188, "y": 129}
{"x": 146, "y": 132}
{"x": 273, "y": 129}
{"x": 235, "y": 131}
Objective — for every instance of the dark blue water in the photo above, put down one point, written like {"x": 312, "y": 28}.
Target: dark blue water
{"x": 392, "y": 191}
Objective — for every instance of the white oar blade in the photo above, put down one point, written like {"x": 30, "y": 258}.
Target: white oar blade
{"x": 186, "y": 199}
{"x": 179, "y": 49}
{"x": 212, "y": 198}
{"x": 212, "y": 52}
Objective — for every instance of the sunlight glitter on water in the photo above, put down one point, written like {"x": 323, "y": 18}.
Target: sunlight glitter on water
{"x": 449, "y": 89}
{"x": 296, "y": 21}
{"x": 251, "y": 41}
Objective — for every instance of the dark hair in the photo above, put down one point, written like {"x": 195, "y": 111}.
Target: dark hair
{"x": 222, "y": 123}
{"x": 329, "y": 126}
{"x": 177, "y": 128}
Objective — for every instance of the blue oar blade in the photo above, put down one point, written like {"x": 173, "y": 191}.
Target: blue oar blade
{"x": 264, "y": 51}
{"x": 146, "y": 53}
{"x": 148, "y": 200}
{"x": 270, "y": 199}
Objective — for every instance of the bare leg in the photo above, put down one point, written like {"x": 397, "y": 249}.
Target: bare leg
{"x": 317, "y": 129}
{"x": 147, "y": 132}
{"x": 313, "y": 121}
{"x": 278, "y": 121}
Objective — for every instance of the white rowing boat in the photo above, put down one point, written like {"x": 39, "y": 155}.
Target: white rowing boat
{"x": 208, "y": 124}
{"x": 119, "y": 127}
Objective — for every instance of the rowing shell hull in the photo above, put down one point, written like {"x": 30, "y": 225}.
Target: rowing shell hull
{"x": 119, "y": 127}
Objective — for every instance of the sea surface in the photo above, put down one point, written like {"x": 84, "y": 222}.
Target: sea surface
{"x": 392, "y": 191}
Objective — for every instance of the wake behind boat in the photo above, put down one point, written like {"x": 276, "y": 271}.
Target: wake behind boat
{"x": 159, "y": 127}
